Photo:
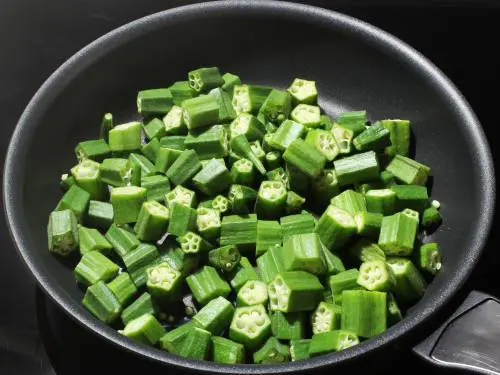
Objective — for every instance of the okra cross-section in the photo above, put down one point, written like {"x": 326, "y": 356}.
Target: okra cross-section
{"x": 205, "y": 79}
{"x": 248, "y": 125}
{"x": 303, "y": 91}
{"x": 164, "y": 282}
{"x": 215, "y": 316}
{"x": 324, "y": 142}
{"x": 333, "y": 341}
{"x": 87, "y": 176}
{"x": 326, "y": 317}
{"x": 271, "y": 199}
{"x": 181, "y": 195}
{"x": 307, "y": 115}
{"x": 241, "y": 198}
{"x": 376, "y": 275}
{"x": 249, "y": 98}
{"x": 208, "y": 222}
{"x": 192, "y": 243}
{"x": 206, "y": 284}
{"x": 429, "y": 258}
{"x": 250, "y": 326}
{"x": 304, "y": 253}
{"x": 294, "y": 291}
{"x": 253, "y": 292}
{"x": 224, "y": 258}
{"x": 243, "y": 172}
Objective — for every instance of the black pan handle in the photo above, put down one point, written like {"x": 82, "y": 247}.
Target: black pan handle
{"x": 469, "y": 340}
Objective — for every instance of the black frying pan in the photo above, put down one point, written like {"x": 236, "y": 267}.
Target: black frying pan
{"x": 356, "y": 66}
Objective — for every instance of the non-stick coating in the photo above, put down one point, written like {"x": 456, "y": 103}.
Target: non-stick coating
{"x": 356, "y": 66}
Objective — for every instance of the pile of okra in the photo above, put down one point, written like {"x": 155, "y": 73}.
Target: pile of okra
{"x": 238, "y": 223}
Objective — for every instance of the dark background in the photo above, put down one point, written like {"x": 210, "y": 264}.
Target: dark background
{"x": 36, "y": 36}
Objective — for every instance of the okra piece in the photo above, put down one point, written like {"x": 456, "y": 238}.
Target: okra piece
{"x": 303, "y": 91}
{"x": 398, "y": 233}
{"x": 224, "y": 258}
{"x": 278, "y": 174}
{"x": 122, "y": 240}
{"x": 196, "y": 345}
{"x": 326, "y": 123}
{"x": 96, "y": 150}
{"x": 210, "y": 143}
{"x": 192, "y": 243}
{"x": 307, "y": 115}
{"x": 247, "y": 125}
{"x": 324, "y": 142}
{"x": 411, "y": 196}
{"x": 268, "y": 234}
{"x": 335, "y": 227}
{"x": 354, "y": 121}
{"x": 382, "y": 201}
{"x": 154, "y": 101}
{"x": 242, "y": 172}
{"x": 150, "y": 149}
{"x": 346, "y": 280}
{"x": 152, "y": 221}
{"x": 62, "y": 232}
{"x": 364, "y": 313}
{"x": 387, "y": 178}
{"x": 239, "y": 230}
{"x": 76, "y": 200}
{"x": 221, "y": 204}
{"x": 428, "y": 258}
{"x": 116, "y": 171}
{"x": 399, "y": 135}
{"x": 175, "y": 142}
{"x": 147, "y": 168}
{"x": 67, "y": 181}
{"x": 164, "y": 282}
{"x": 374, "y": 138}
{"x": 184, "y": 167}
{"x": 294, "y": 202}
{"x": 294, "y": 291}
{"x": 125, "y": 137}
{"x": 431, "y": 218}
{"x": 393, "y": 312}
{"x": 410, "y": 285}
{"x": 182, "y": 262}
{"x": 106, "y": 126}
{"x": 123, "y": 288}
{"x": 296, "y": 224}
{"x": 181, "y": 90}
{"x": 299, "y": 349}
{"x": 206, "y": 284}
{"x": 257, "y": 150}
{"x": 241, "y": 146}
{"x": 277, "y": 106}
{"x": 333, "y": 341}
{"x": 101, "y": 302}
{"x": 213, "y": 178}
{"x": 250, "y": 326}
{"x": 142, "y": 305}
{"x": 287, "y": 132}
{"x": 289, "y": 326}
{"x": 350, "y": 201}
{"x": 271, "y": 199}
{"x": 366, "y": 251}
{"x": 173, "y": 122}
{"x": 165, "y": 158}
{"x": 271, "y": 263}
{"x": 208, "y": 222}
{"x": 127, "y": 202}
{"x": 272, "y": 160}
{"x": 244, "y": 272}
{"x": 205, "y": 79}
{"x": 304, "y": 253}
{"x": 376, "y": 275}
{"x": 144, "y": 329}
{"x": 215, "y": 316}
{"x": 368, "y": 223}
{"x": 408, "y": 171}
{"x": 91, "y": 240}
{"x": 182, "y": 219}
{"x": 249, "y": 98}
{"x": 272, "y": 352}
{"x": 343, "y": 137}
{"x": 156, "y": 186}
{"x": 230, "y": 80}
{"x": 357, "y": 168}
{"x": 200, "y": 111}
{"x": 253, "y": 292}
{"x": 305, "y": 158}
{"x": 325, "y": 187}
{"x": 326, "y": 318}
{"x": 143, "y": 255}
{"x": 154, "y": 128}
{"x": 227, "y": 351}
{"x": 173, "y": 340}
{"x": 333, "y": 263}
{"x": 180, "y": 195}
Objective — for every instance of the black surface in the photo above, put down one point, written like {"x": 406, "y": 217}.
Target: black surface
{"x": 57, "y": 29}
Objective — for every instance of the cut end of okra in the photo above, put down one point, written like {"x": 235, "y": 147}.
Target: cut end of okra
{"x": 163, "y": 281}
{"x": 192, "y": 243}
{"x": 250, "y": 326}
{"x": 253, "y": 292}
{"x": 208, "y": 222}
{"x": 324, "y": 142}
{"x": 307, "y": 115}
{"x": 249, "y": 126}
{"x": 325, "y": 318}
{"x": 221, "y": 204}
{"x": 224, "y": 258}
{"x": 303, "y": 91}
{"x": 376, "y": 275}
{"x": 173, "y": 122}
{"x": 271, "y": 199}
{"x": 181, "y": 195}
{"x": 125, "y": 137}
{"x": 152, "y": 222}
{"x": 205, "y": 79}
{"x": 335, "y": 227}
{"x": 429, "y": 258}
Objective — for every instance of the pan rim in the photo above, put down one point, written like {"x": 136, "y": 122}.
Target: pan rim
{"x": 374, "y": 35}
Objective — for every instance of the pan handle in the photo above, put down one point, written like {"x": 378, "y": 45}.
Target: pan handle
{"x": 469, "y": 339}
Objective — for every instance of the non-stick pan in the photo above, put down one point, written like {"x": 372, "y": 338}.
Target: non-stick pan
{"x": 356, "y": 65}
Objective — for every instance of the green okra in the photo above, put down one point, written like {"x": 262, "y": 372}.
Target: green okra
{"x": 304, "y": 157}
{"x": 96, "y": 150}
{"x": 154, "y": 128}
{"x": 150, "y": 149}
{"x": 393, "y": 312}
{"x": 365, "y": 251}
{"x": 429, "y": 258}
{"x": 243, "y": 172}
{"x": 307, "y": 115}
{"x": 123, "y": 288}
{"x": 248, "y": 125}
{"x": 399, "y": 136}
{"x": 249, "y": 98}
{"x": 122, "y": 240}
{"x": 298, "y": 181}
{"x": 272, "y": 160}
{"x": 226, "y": 110}
{"x": 287, "y": 132}
{"x": 182, "y": 196}
{"x": 144, "y": 329}
{"x": 127, "y": 202}
{"x": 221, "y": 204}
{"x": 368, "y": 223}
{"x": 278, "y": 174}
{"x": 375, "y": 137}
{"x": 106, "y": 126}
{"x": 277, "y": 106}
{"x": 381, "y": 201}
{"x": 398, "y": 233}
{"x": 184, "y": 167}
{"x": 243, "y": 272}
{"x": 200, "y": 111}
{"x": 325, "y": 187}
{"x": 294, "y": 202}
{"x": 357, "y": 168}
{"x": 224, "y": 258}
{"x": 332, "y": 341}
{"x": 210, "y": 143}
{"x": 408, "y": 171}
{"x": 364, "y": 313}
{"x": 431, "y": 218}
{"x": 343, "y": 137}
{"x": 172, "y": 341}
{"x": 181, "y": 261}
{"x": 346, "y": 280}
{"x": 213, "y": 178}
{"x": 181, "y": 90}
{"x": 125, "y": 137}
{"x": 290, "y": 326}
{"x": 116, "y": 171}
{"x": 271, "y": 263}
{"x": 164, "y": 282}
{"x": 192, "y": 243}
{"x": 376, "y": 275}
{"x": 241, "y": 146}
{"x": 239, "y": 230}
{"x": 172, "y": 123}
{"x": 175, "y": 142}
{"x": 147, "y": 168}
{"x": 299, "y": 349}
{"x": 142, "y": 255}
{"x": 182, "y": 219}
{"x": 326, "y": 318}
{"x": 333, "y": 264}
{"x": 208, "y": 222}
{"x": 90, "y": 239}
{"x": 230, "y": 80}
{"x": 76, "y": 200}
{"x": 324, "y": 142}
{"x": 335, "y": 227}
{"x": 269, "y": 234}
{"x": 250, "y": 326}
{"x": 142, "y": 305}
{"x": 154, "y": 101}
{"x": 272, "y": 352}
{"x": 253, "y": 292}
{"x": 227, "y": 351}
{"x": 101, "y": 302}
{"x": 62, "y": 232}
{"x": 410, "y": 285}
{"x": 152, "y": 221}
{"x": 303, "y": 91}
{"x": 326, "y": 123}
{"x": 157, "y": 186}
{"x": 410, "y": 196}
{"x": 196, "y": 344}
{"x": 215, "y": 316}
{"x": 350, "y": 201}
{"x": 354, "y": 121}
{"x": 67, "y": 181}
{"x": 271, "y": 199}
{"x": 304, "y": 253}
{"x": 165, "y": 158}
{"x": 205, "y": 79}
{"x": 206, "y": 284}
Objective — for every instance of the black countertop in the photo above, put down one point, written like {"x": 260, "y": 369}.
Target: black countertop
{"x": 37, "y": 36}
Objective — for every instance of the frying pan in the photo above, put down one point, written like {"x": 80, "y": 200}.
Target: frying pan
{"x": 356, "y": 66}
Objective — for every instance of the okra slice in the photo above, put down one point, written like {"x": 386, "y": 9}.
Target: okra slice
{"x": 156, "y": 186}
{"x": 215, "y": 316}
{"x": 125, "y": 137}
{"x": 277, "y": 106}
{"x": 287, "y": 132}
{"x": 243, "y": 272}
{"x": 173, "y": 123}
{"x": 294, "y": 291}
{"x": 205, "y": 79}
{"x": 428, "y": 258}
{"x": 181, "y": 90}
{"x": 408, "y": 171}
{"x": 431, "y": 218}
{"x": 290, "y": 326}
{"x": 224, "y": 258}
{"x": 91, "y": 239}
{"x": 271, "y": 263}
{"x": 324, "y": 142}
{"x": 357, "y": 168}
{"x": 143, "y": 255}
{"x": 192, "y": 243}
{"x": 268, "y": 234}
{"x": 346, "y": 280}
{"x": 350, "y": 201}
{"x": 182, "y": 219}
{"x": 96, "y": 150}
{"x": 249, "y": 126}
{"x": 165, "y": 158}
{"x": 326, "y": 318}
{"x": 307, "y": 115}
{"x": 106, "y": 126}
{"x": 393, "y": 312}
{"x": 221, "y": 204}
{"x": 101, "y": 302}
{"x": 253, "y": 292}
{"x": 376, "y": 275}
{"x": 173, "y": 340}
{"x": 305, "y": 158}
{"x": 304, "y": 253}
{"x": 368, "y": 223}
{"x": 154, "y": 128}
{"x": 94, "y": 267}
{"x": 243, "y": 172}
{"x": 123, "y": 288}
{"x": 249, "y": 98}
{"x": 354, "y": 121}
{"x": 365, "y": 251}
{"x": 164, "y": 282}
{"x": 184, "y": 167}
{"x": 230, "y": 80}
{"x": 250, "y": 326}
{"x": 411, "y": 196}
{"x": 410, "y": 285}
{"x": 335, "y": 227}
{"x": 399, "y": 135}
{"x": 241, "y": 146}
{"x": 200, "y": 111}
{"x": 333, "y": 264}
{"x": 278, "y": 174}
{"x": 227, "y": 351}
{"x": 381, "y": 201}
{"x": 182, "y": 196}
{"x": 127, "y": 202}
{"x": 241, "y": 198}
{"x": 206, "y": 284}
{"x": 182, "y": 262}
{"x": 147, "y": 168}
{"x": 294, "y": 202}
{"x": 196, "y": 344}
{"x": 122, "y": 240}
{"x": 152, "y": 222}
{"x": 343, "y": 137}
{"x": 364, "y": 313}
{"x": 374, "y": 138}
{"x": 271, "y": 199}
{"x": 154, "y": 101}
{"x": 299, "y": 349}
{"x": 239, "y": 230}
{"x": 76, "y": 200}
{"x": 398, "y": 233}
{"x": 272, "y": 352}
{"x": 303, "y": 91}
{"x": 116, "y": 171}
{"x": 272, "y": 160}
{"x": 144, "y": 329}
{"x": 210, "y": 143}
{"x": 175, "y": 142}
{"x": 213, "y": 178}
{"x": 62, "y": 232}
{"x": 333, "y": 341}
{"x": 142, "y": 305}
{"x": 208, "y": 222}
